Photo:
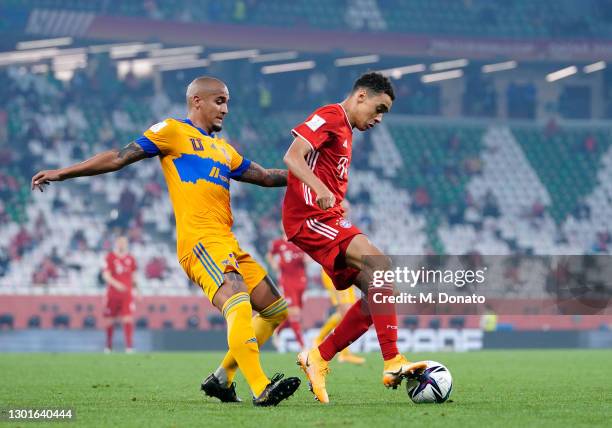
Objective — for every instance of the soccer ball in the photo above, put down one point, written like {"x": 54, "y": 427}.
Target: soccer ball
{"x": 434, "y": 385}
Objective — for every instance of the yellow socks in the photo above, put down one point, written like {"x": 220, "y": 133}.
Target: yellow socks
{"x": 242, "y": 343}
{"x": 264, "y": 325}
{"x": 329, "y": 325}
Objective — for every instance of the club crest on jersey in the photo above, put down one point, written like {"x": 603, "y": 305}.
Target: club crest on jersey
{"x": 344, "y": 223}
{"x": 230, "y": 261}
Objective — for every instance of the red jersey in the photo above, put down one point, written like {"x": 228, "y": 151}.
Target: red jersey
{"x": 122, "y": 269}
{"x": 331, "y": 136}
{"x": 292, "y": 262}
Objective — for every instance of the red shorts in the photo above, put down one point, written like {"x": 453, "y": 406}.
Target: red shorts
{"x": 293, "y": 296}
{"x": 324, "y": 238}
{"x": 119, "y": 306}
{"x": 293, "y": 292}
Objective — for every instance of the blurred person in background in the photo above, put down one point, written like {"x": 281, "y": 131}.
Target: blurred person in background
{"x": 289, "y": 263}
{"x": 120, "y": 292}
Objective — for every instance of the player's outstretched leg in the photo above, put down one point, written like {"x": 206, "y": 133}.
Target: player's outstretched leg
{"x": 314, "y": 362}
{"x": 257, "y": 329}
{"x": 363, "y": 255}
{"x": 345, "y": 356}
{"x": 220, "y": 384}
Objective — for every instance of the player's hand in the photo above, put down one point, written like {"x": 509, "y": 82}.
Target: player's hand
{"x": 326, "y": 199}
{"x": 44, "y": 178}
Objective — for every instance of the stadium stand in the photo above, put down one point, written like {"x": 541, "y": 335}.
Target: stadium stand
{"x": 443, "y": 186}
{"x": 446, "y": 188}
{"x": 517, "y": 19}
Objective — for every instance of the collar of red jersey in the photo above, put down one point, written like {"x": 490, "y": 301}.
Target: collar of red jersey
{"x": 189, "y": 122}
{"x": 348, "y": 122}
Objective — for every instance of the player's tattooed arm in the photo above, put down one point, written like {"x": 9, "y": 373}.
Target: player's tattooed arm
{"x": 131, "y": 153}
{"x": 108, "y": 161}
{"x": 256, "y": 174}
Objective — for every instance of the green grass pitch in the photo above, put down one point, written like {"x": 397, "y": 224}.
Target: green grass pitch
{"x": 491, "y": 388}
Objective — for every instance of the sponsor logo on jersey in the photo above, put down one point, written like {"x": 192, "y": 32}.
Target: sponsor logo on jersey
{"x": 342, "y": 167}
{"x": 315, "y": 122}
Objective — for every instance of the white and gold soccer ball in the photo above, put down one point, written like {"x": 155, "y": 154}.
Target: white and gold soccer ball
{"x": 434, "y": 385}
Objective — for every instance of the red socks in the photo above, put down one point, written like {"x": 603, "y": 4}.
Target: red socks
{"x": 109, "y": 336}
{"x": 355, "y": 323}
{"x": 128, "y": 330}
{"x": 385, "y": 320}
{"x": 297, "y": 330}
{"x": 296, "y": 327}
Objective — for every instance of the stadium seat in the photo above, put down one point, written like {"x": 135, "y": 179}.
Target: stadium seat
{"x": 457, "y": 322}
{"x": 61, "y": 320}
{"x": 216, "y": 321}
{"x": 411, "y": 323}
{"x": 193, "y": 322}
{"x": 142, "y": 323}
{"x": 434, "y": 323}
{"x": 89, "y": 322}
{"x": 34, "y": 321}
{"x": 7, "y": 321}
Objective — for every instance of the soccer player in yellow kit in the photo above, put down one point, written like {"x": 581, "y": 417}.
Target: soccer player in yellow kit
{"x": 198, "y": 167}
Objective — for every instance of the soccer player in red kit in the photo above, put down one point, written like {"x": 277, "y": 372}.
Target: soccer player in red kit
{"x": 318, "y": 162}
{"x": 289, "y": 262}
{"x": 119, "y": 277}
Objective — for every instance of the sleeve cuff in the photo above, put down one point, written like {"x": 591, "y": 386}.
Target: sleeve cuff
{"x": 148, "y": 146}
{"x": 297, "y": 134}
{"x": 241, "y": 169}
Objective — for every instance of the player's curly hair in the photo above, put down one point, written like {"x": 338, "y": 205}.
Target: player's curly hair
{"x": 375, "y": 82}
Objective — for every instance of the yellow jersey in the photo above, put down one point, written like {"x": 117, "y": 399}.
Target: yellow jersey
{"x": 197, "y": 168}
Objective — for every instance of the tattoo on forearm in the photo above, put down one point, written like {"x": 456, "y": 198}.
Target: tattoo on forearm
{"x": 277, "y": 177}
{"x": 131, "y": 153}
{"x": 256, "y": 174}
